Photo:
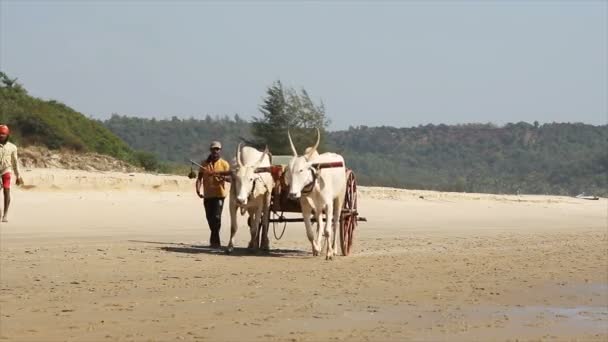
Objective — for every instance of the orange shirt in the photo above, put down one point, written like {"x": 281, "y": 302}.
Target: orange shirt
{"x": 213, "y": 185}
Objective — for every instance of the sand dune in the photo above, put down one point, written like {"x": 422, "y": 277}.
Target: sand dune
{"x": 76, "y": 180}
{"x": 102, "y": 256}
{"x": 44, "y": 179}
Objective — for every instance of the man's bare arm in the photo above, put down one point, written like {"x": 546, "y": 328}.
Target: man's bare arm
{"x": 15, "y": 162}
{"x": 199, "y": 182}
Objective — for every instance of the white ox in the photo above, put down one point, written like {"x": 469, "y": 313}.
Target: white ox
{"x": 250, "y": 191}
{"x": 319, "y": 191}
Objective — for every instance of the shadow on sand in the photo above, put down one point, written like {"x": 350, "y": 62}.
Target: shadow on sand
{"x": 236, "y": 252}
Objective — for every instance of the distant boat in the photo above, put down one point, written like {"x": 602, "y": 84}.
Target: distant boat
{"x": 583, "y": 196}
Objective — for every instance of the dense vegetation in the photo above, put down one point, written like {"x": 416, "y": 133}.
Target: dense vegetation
{"x": 564, "y": 159}
{"x": 34, "y": 121}
{"x": 177, "y": 140}
{"x": 554, "y": 158}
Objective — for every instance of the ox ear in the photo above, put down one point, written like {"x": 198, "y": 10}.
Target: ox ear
{"x": 239, "y": 162}
{"x": 313, "y": 150}
{"x": 264, "y": 154}
{"x": 293, "y": 148}
{"x": 266, "y": 151}
{"x": 286, "y": 176}
{"x": 308, "y": 153}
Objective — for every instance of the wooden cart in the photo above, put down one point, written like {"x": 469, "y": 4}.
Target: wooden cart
{"x": 281, "y": 204}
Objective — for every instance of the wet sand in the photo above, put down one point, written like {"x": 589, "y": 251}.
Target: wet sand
{"x": 128, "y": 260}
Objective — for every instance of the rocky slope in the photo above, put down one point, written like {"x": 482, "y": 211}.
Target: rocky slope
{"x": 41, "y": 157}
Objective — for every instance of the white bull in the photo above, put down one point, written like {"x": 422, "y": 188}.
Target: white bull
{"x": 319, "y": 191}
{"x": 251, "y": 191}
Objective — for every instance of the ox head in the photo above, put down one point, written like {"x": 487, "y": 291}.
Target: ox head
{"x": 300, "y": 171}
{"x": 244, "y": 177}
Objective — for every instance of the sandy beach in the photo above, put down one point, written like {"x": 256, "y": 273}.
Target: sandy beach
{"x": 101, "y": 256}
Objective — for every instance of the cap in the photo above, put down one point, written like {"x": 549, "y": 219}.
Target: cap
{"x": 216, "y": 144}
{"x": 4, "y": 130}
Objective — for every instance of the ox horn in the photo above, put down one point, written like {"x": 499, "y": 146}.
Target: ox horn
{"x": 293, "y": 148}
{"x": 239, "y": 162}
{"x": 314, "y": 149}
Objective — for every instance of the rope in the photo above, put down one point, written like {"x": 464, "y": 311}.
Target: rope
{"x": 274, "y": 227}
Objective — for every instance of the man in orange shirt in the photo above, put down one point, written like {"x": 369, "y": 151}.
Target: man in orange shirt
{"x": 214, "y": 190}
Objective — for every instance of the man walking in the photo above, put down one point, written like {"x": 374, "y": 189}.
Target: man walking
{"x": 9, "y": 163}
{"x": 214, "y": 190}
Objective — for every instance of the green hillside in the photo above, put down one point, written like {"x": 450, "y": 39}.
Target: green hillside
{"x": 34, "y": 121}
{"x": 55, "y": 125}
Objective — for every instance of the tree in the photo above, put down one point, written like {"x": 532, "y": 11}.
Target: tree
{"x": 12, "y": 84}
{"x": 147, "y": 160}
{"x": 286, "y": 109}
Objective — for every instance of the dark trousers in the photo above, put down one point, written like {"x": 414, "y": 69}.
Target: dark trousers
{"x": 213, "y": 210}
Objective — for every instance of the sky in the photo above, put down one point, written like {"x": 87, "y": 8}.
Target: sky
{"x": 393, "y": 63}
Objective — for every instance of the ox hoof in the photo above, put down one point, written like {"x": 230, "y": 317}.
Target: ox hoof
{"x": 266, "y": 245}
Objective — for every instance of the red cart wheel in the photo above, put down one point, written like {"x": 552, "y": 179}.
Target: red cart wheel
{"x": 348, "y": 218}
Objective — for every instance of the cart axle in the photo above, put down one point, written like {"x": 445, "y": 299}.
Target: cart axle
{"x": 290, "y": 219}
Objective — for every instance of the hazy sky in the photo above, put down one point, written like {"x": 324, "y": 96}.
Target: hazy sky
{"x": 399, "y": 63}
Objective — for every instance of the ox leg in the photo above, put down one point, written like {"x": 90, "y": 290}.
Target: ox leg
{"x": 265, "y": 217}
{"x": 306, "y": 214}
{"x": 234, "y": 227}
{"x": 256, "y": 226}
{"x": 253, "y": 228}
{"x": 319, "y": 236}
{"x": 327, "y": 231}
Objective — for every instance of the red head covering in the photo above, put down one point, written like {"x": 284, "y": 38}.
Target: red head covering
{"x": 4, "y": 130}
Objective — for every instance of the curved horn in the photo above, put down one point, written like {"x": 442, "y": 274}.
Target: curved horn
{"x": 239, "y": 162}
{"x": 293, "y": 148}
{"x": 314, "y": 149}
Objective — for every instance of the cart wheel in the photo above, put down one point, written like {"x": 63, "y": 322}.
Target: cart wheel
{"x": 348, "y": 218}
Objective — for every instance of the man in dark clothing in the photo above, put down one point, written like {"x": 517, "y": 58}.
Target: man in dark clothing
{"x": 214, "y": 189}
